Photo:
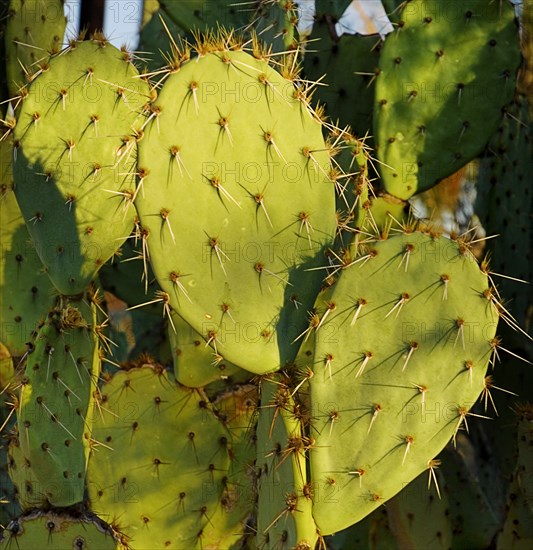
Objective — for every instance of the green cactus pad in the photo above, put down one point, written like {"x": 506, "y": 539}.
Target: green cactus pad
{"x": 155, "y": 36}
{"x": 27, "y": 488}
{"x": 349, "y": 66}
{"x": 445, "y": 73}
{"x": 160, "y": 463}
{"x": 275, "y": 22}
{"x": 25, "y": 291}
{"x": 525, "y": 455}
{"x": 195, "y": 363}
{"x": 284, "y": 504}
{"x": 419, "y": 515}
{"x": 34, "y": 31}
{"x": 371, "y": 533}
{"x": 237, "y": 409}
{"x": 54, "y": 418}
{"x": 237, "y": 210}
{"x": 9, "y": 506}
{"x": 504, "y": 204}
{"x": 403, "y": 343}
{"x": 197, "y": 15}
{"x": 517, "y": 531}
{"x": 475, "y": 517}
{"x": 53, "y": 531}
{"x": 74, "y": 167}
{"x": 7, "y": 368}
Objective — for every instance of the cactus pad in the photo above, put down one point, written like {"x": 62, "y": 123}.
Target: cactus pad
{"x": 74, "y": 167}
{"x": 445, "y": 74}
{"x": 53, "y": 531}
{"x": 56, "y": 401}
{"x": 26, "y": 292}
{"x": 232, "y": 259}
{"x": 34, "y": 31}
{"x": 161, "y": 461}
{"x": 403, "y": 344}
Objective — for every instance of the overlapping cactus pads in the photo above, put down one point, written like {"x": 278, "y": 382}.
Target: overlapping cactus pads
{"x": 222, "y": 325}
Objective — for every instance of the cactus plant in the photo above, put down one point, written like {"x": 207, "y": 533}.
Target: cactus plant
{"x": 256, "y": 234}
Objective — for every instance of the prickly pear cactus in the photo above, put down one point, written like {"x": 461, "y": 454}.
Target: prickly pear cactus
{"x": 517, "y": 531}
{"x": 175, "y": 456}
{"x": 525, "y": 452}
{"x": 26, "y": 485}
{"x": 25, "y": 291}
{"x": 504, "y": 203}
{"x": 316, "y": 348}
{"x": 444, "y": 75}
{"x": 418, "y": 515}
{"x": 370, "y": 394}
{"x": 60, "y": 532}
{"x": 218, "y": 176}
{"x": 195, "y": 366}
{"x": 34, "y": 31}
{"x": 74, "y": 165}
{"x": 54, "y": 418}
{"x": 347, "y": 66}
{"x": 284, "y": 505}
